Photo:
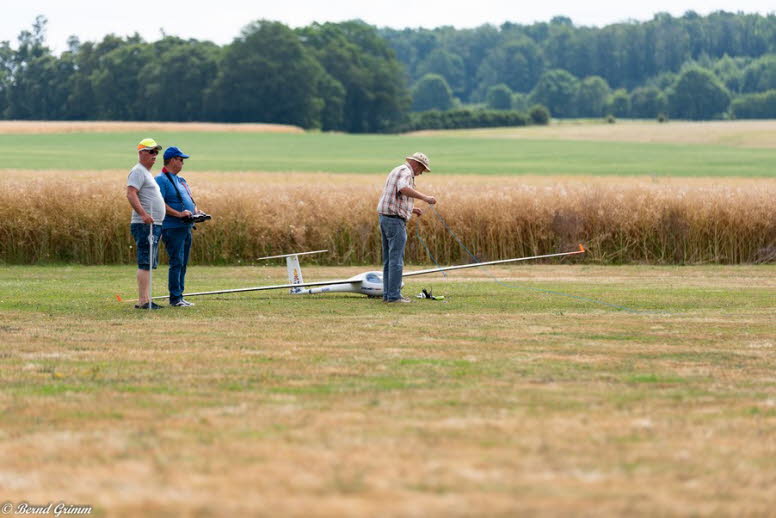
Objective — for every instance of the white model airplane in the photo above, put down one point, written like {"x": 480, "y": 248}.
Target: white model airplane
{"x": 367, "y": 283}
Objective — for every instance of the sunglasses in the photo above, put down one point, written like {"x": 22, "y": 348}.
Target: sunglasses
{"x": 152, "y": 151}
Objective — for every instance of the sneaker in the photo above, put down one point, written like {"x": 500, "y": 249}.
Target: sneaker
{"x": 187, "y": 302}
{"x": 181, "y": 304}
{"x": 403, "y": 300}
{"x": 154, "y": 305}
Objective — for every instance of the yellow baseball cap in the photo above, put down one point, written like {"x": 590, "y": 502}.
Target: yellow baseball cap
{"x": 148, "y": 144}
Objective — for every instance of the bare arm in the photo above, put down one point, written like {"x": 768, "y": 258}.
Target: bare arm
{"x": 172, "y": 212}
{"x": 412, "y": 193}
{"x": 134, "y": 201}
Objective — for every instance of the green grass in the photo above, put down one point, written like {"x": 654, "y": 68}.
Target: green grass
{"x": 507, "y": 400}
{"x": 375, "y": 154}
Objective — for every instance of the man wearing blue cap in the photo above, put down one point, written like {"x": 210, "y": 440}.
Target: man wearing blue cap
{"x": 176, "y": 229}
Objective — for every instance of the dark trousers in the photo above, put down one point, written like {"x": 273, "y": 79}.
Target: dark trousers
{"x": 177, "y": 241}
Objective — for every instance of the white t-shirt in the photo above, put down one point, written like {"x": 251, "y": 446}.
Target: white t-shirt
{"x": 149, "y": 194}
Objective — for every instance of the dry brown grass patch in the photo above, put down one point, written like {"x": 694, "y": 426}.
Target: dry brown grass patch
{"x": 746, "y": 134}
{"x": 43, "y": 127}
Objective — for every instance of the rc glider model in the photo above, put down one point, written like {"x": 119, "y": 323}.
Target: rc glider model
{"x": 367, "y": 283}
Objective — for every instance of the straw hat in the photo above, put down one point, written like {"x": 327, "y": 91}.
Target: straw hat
{"x": 421, "y": 159}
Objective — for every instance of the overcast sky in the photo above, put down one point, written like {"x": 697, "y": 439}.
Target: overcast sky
{"x": 221, "y": 20}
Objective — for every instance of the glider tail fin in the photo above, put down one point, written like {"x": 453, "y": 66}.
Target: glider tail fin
{"x": 294, "y": 270}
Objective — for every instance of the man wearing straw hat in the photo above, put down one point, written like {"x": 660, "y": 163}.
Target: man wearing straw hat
{"x": 395, "y": 209}
{"x": 148, "y": 210}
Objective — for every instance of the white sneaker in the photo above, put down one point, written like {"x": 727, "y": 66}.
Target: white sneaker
{"x": 187, "y": 303}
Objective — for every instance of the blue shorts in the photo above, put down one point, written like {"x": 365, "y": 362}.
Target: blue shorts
{"x": 140, "y": 232}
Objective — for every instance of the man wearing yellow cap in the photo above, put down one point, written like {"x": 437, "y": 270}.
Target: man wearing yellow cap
{"x": 147, "y": 215}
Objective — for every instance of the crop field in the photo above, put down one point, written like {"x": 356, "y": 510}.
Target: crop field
{"x": 635, "y": 381}
{"x": 620, "y": 220}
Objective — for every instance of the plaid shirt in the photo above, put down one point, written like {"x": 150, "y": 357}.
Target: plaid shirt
{"x": 392, "y": 202}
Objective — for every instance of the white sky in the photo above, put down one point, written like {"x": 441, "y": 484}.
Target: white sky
{"x": 221, "y": 20}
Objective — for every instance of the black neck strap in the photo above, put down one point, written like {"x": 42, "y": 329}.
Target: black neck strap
{"x": 174, "y": 186}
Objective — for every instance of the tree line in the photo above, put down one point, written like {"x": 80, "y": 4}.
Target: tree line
{"x": 689, "y": 67}
{"x": 334, "y": 77}
{"x": 357, "y": 78}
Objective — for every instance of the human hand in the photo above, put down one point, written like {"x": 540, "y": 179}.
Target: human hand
{"x": 417, "y": 211}
{"x": 430, "y": 200}
{"x": 185, "y": 214}
{"x": 147, "y": 219}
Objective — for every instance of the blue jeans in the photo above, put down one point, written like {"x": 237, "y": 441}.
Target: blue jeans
{"x": 394, "y": 231}
{"x": 140, "y": 232}
{"x": 177, "y": 241}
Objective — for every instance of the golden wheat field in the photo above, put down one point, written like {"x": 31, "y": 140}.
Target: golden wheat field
{"x": 48, "y": 217}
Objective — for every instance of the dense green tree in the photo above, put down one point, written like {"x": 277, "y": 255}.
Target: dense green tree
{"x": 473, "y": 46}
{"x": 32, "y": 43}
{"x": 432, "y": 93}
{"x": 560, "y": 46}
{"x": 670, "y": 41}
{"x": 87, "y": 58}
{"x": 539, "y": 114}
{"x": 35, "y": 82}
{"x": 663, "y": 81}
{"x": 334, "y": 97}
{"x": 499, "y": 97}
{"x": 177, "y": 78}
{"x": 619, "y": 103}
{"x": 760, "y": 75}
{"x": 39, "y": 89}
{"x": 755, "y": 106}
{"x": 612, "y": 55}
{"x": 268, "y": 75}
{"x": 730, "y": 71}
{"x": 353, "y": 54}
{"x": 697, "y": 94}
{"x": 647, "y": 103}
{"x": 520, "y": 102}
{"x": 118, "y": 83}
{"x": 592, "y": 95}
{"x": 446, "y": 64}
{"x": 517, "y": 64}
{"x": 557, "y": 90}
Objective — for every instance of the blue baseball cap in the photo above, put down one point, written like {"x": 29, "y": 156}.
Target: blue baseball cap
{"x": 173, "y": 152}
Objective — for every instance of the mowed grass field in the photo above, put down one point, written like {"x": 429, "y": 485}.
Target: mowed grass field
{"x": 540, "y": 151}
{"x": 502, "y": 401}
{"x": 523, "y": 397}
